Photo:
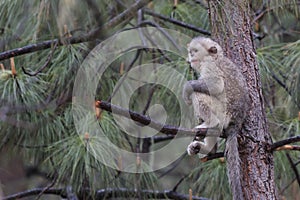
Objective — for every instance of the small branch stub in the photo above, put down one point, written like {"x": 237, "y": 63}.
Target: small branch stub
{"x": 98, "y": 109}
{"x": 2, "y": 67}
{"x": 175, "y": 4}
{"x": 86, "y": 137}
{"x": 13, "y": 68}
{"x": 190, "y": 194}
{"x": 288, "y": 147}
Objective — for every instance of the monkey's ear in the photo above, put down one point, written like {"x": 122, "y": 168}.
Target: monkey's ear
{"x": 213, "y": 50}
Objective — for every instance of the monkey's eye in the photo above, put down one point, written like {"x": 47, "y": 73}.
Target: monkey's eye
{"x": 193, "y": 50}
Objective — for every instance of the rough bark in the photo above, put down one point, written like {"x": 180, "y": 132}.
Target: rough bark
{"x": 231, "y": 27}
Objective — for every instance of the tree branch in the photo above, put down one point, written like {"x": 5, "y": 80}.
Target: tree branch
{"x": 48, "y": 61}
{"x": 277, "y": 146}
{"x": 148, "y": 194}
{"x": 108, "y": 193}
{"x": 145, "y": 120}
{"x": 212, "y": 156}
{"x": 74, "y": 40}
{"x": 285, "y": 142}
{"x": 37, "y": 191}
{"x": 177, "y": 22}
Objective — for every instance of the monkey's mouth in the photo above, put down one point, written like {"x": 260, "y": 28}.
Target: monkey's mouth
{"x": 194, "y": 61}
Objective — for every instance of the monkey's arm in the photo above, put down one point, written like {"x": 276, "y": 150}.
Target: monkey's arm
{"x": 210, "y": 86}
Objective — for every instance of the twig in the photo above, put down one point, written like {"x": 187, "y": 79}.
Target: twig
{"x": 285, "y": 142}
{"x": 288, "y": 147}
{"x": 151, "y": 23}
{"x": 287, "y": 186}
{"x": 45, "y": 189}
{"x": 48, "y": 61}
{"x": 266, "y": 10}
{"x": 212, "y": 156}
{"x": 285, "y": 87}
{"x": 294, "y": 168}
{"x": 74, "y": 40}
{"x": 162, "y": 138}
{"x": 140, "y": 19}
{"x": 177, "y": 22}
{"x": 147, "y": 141}
{"x": 125, "y": 75}
{"x": 36, "y": 191}
{"x": 178, "y": 183}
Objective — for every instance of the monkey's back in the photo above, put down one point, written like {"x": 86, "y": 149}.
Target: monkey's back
{"x": 235, "y": 90}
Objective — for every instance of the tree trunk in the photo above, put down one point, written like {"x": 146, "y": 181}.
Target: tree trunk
{"x": 231, "y": 28}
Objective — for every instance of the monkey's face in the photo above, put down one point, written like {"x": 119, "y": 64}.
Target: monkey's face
{"x": 196, "y": 54}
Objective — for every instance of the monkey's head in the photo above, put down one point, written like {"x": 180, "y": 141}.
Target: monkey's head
{"x": 202, "y": 49}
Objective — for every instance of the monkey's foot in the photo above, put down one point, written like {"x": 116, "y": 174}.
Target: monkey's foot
{"x": 212, "y": 124}
{"x": 202, "y": 126}
{"x": 193, "y": 148}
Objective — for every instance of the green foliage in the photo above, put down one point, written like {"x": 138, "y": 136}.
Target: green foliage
{"x": 279, "y": 69}
{"x": 210, "y": 179}
{"x": 36, "y": 119}
{"x": 284, "y": 175}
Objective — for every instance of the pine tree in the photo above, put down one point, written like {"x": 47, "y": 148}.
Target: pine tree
{"x": 44, "y": 45}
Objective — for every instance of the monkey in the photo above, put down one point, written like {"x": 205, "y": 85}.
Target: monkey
{"x": 220, "y": 101}
{"x": 208, "y": 105}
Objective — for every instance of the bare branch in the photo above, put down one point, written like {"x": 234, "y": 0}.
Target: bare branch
{"x": 162, "y": 31}
{"x": 178, "y": 183}
{"x": 212, "y": 156}
{"x": 145, "y": 120}
{"x": 74, "y": 40}
{"x": 148, "y": 194}
{"x": 285, "y": 142}
{"x": 108, "y": 193}
{"x": 48, "y": 61}
{"x": 36, "y": 191}
{"x": 277, "y": 146}
{"x": 177, "y": 22}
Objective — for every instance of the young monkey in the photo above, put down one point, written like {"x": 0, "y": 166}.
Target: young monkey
{"x": 207, "y": 94}
{"x": 220, "y": 102}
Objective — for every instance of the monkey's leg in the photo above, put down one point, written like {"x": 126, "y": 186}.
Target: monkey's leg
{"x": 203, "y": 107}
{"x": 205, "y": 147}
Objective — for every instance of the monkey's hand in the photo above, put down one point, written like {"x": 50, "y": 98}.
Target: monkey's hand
{"x": 194, "y": 86}
{"x": 193, "y": 148}
{"x": 187, "y": 92}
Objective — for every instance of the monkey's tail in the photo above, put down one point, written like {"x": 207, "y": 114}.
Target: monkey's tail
{"x": 233, "y": 165}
